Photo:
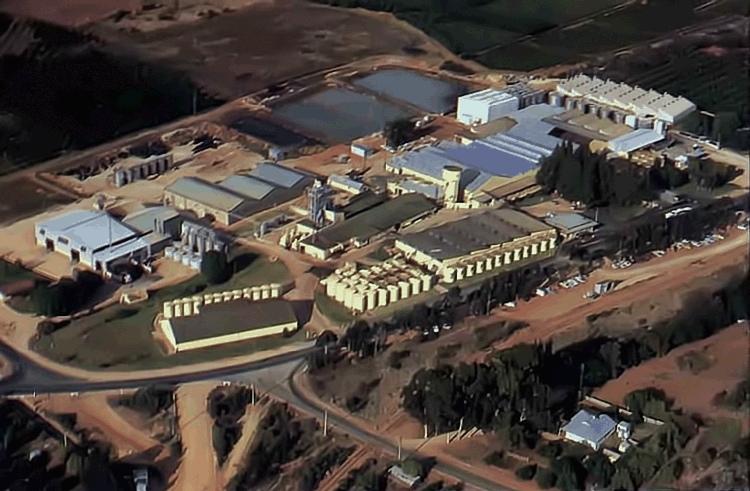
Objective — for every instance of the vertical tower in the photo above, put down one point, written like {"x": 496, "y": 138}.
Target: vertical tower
{"x": 451, "y": 180}
{"x": 319, "y": 199}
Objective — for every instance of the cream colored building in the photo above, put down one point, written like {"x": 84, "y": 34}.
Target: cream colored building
{"x": 226, "y": 322}
{"x": 366, "y": 289}
{"x": 478, "y": 243}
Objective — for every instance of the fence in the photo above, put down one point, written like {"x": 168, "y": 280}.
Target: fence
{"x": 621, "y": 411}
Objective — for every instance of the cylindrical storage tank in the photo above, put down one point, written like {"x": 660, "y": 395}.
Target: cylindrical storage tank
{"x": 534, "y": 249}
{"x": 186, "y": 258}
{"x": 119, "y": 178}
{"x": 236, "y": 294}
{"x": 382, "y": 297}
{"x": 372, "y": 299}
{"x": 227, "y": 296}
{"x": 569, "y": 103}
{"x": 331, "y": 287}
{"x": 218, "y": 298}
{"x": 489, "y": 263}
{"x": 340, "y": 292}
{"x": 195, "y": 263}
{"x": 265, "y": 292}
{"x": 517, "y": 254}
{"x": 208, "y": 298}
{"x": 660, "y": 127}
{"x": 167, "y": 310}
{"x": 479, "y": 267}
{"x": 426, "y": 282}
{"x": 275, "y": 290}
{"x": 498, "y": 260}
{"x": 196, "y": 308}
{"x": 630, "y": 120}
{"x": 177, "y": 255}
{"x": 255, "y": 293}
{"x": 555, "y": 99}
{"x": 348, "y": 295}
{"x": 393, "y": 294}
{"x": 169, "y": 252}
{"x": 543, "y": 246}
{"x": 416, "y": 286}
{"x": 359, "y": 302}
{"x": 508, "y": 257}
{"x": 197, "y": 299}
{"x": 187, "y": 307}
{"x": 470, "y": 270}
{"x": 405, "y": 289}
{"x": 460, "y": 272}
{"x": 177, "y": 307}
{"x": 526, "y": 251}
{"x": 452, "y": 179}
{"x": 246, "y": 293}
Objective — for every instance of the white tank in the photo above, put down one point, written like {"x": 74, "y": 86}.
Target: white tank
{"x": 416, "y": 286}
{"x": 247, "y": 293}
{"x": 186, "y": 258}
{"x": 275, "y": 290}
{"x": 227, "y": 296}
{"x": 405, "y": 288}
{"x": 451, "y": 181}
{"x": 177, "y": 256}
{"x": 195, "y": 262}
{"x": 255, "y": 293}
{"x": 177, "y": 308}
{"x": 169, "y": 252}
{"x": 168, "y": 310}
{"x": 236, "y": 294}
{"x": 394, "y": 294}
{"x": 208, "y": 298}
{"x": 187, "y": 307}
{"x": 382, "y": 297}
{"x": 265, "y": 292}
{"x": 218, "y": 298}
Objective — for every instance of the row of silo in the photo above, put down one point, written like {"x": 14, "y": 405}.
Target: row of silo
{"x": 184, "y": 255}
{"x": 191, "y": 305}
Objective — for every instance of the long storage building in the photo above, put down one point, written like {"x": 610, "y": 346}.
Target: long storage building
{"x": 478, "y": 243}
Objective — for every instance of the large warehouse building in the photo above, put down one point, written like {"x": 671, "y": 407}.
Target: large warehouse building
{"x": 229, "y": 322}
{"x": 478, "y": 243}
{"x": 238, "y": 196}
{"x": 484, "y": 164}
{"x": 618, "y": 100}
{"x": 96, "y": 239}
{"x": 490, "y": 104}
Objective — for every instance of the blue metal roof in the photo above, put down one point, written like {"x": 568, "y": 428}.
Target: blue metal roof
{"x": 206, "y": 193}
{"x": 121, "y": 250}
{"x": 277, "y": 175}
{"x": 143, "y": 220}
{"x": 247, "y": 186}
{"x": 66, "y": 220}
{"x": 635, "y": 140}
{"x": 590, "y": 427}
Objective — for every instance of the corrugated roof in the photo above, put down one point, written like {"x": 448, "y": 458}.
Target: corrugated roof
{"x": 429, "y": 190}
{"x": 121, "y": 250}
{"x": 570, "y": 222}
{"x": 231, "y": 317}
{"x": 473, "y": 234}
{"x": 489, "y": 96}
{"x": 247, "y": 186}
{"x": 88, "y": 229}
{"x": 635, "y": 140}
{"x": 206, "y": 193}
{"x": 590, "y": 427}
{"x": 346, "y": 181}
{"x": 143, "y": 220}
{"x": 277, "y": 175}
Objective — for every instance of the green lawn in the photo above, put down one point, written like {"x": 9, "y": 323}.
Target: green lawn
{"x": 121, "y": 337}
{"x": 334, "y": 311}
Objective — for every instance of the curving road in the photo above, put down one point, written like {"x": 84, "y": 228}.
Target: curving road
{"x": 29, "y": 377}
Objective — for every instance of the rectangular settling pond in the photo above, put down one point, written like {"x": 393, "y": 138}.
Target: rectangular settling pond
{"x": 430, "y": 94}
{"x": 340, "y": 115}
{"x": 268, "y": 132}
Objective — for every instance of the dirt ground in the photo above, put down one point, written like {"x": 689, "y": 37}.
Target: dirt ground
{"x": 199, "y": 470}
{"x": 238, "y": 456}
{"x": 95, "y": 413}
{"x": 728, "y": 352}
{"x": 24, "y": 197}
{"x": 236, "y": 53}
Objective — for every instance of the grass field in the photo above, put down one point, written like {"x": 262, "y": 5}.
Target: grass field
{"x": 121, "y": 337}
{"x": 331, "y": 309}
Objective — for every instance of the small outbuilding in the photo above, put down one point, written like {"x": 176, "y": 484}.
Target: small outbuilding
{"x": 571, "y": 224}
{"x": 589, "y": 429}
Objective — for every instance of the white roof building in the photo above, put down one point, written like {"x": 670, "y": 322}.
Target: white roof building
{"x": 635, "y": 99}
{"x": 589, "y": 429}
{"x": 485, "y": 106}
{"x": 634, "y": 141}
{"x": 346, "y": 184}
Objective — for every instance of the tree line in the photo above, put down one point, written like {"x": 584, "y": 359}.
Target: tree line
{"x": 527, "y": 388}
{"x": 594, "y": 180}
{"x": 65, "y": 296}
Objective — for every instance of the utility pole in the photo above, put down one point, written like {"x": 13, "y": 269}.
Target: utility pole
{"x": 195, "y": 100}
{"x": 399, "y": 448}
{"x": 325, "y": 423}
{"x": 252, "y": 394}
{"x": 580, "y": 385}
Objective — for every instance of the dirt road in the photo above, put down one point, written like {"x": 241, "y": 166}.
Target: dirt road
{"x": 199, "y": 469}
{"x": 239, "y": 454}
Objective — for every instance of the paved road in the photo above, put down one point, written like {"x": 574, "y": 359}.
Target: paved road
{"x": 279, "y": 383}
{"x": 31, "y": 378}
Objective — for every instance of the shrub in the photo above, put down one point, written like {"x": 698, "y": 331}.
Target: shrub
{"x": 150, "y": 399}
{"x": 495, "y": 458}
{"x": 214, "y": 267}
{"x": 570, "y": 473}
{"x": 526, "y": 472}
{"x": 551, "y": 450}
{"x": 600, "y": 469}
{"x": 545, "y": 478}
